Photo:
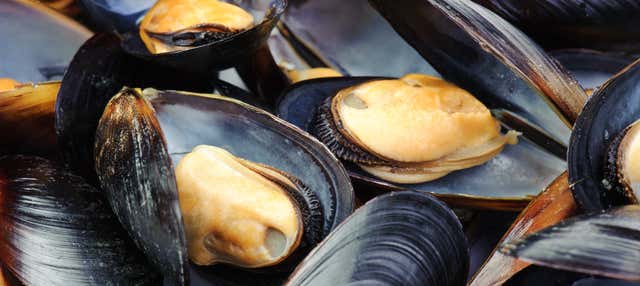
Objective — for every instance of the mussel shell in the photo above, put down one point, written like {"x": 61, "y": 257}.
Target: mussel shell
{"x": 97, "y": 72}
{"x": 590, "y": 68}
{"x": 37, "y": 42}
{"x": 609, "y": 111}
{"x": 346, "y": 36}
{"x": 170, "y": 124}
{"x": 405, "y": 238}
{"x": 216, "y": 55}
{"x": 58, "y": 230}
{"x": 609, "y": 25}
{"x": 519, "y": 172}
{"x": 601, "y": 243}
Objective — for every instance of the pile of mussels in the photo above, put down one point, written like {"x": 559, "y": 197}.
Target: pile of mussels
{"x": 320, "y": 142}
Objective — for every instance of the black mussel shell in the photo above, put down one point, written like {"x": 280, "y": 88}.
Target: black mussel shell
{"x": 601, "y": 243}
{"x": 510, "y": 189}
{"x": 217, "y": 55}
{"x": 404, "y": 238}
{"x": 58, "y": 230}
{"x": 610, "y": 110}
{"x": 609, "y": 25}
{"x": 590, "y": 68}
{"x": 121, "y": 15}
{"x": 97, "y": 72}
{"x": 141, "y": 137}
{"x": 38, "y": 42}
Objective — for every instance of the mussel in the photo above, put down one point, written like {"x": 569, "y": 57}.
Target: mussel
{"x": 411, "y": 130}
{"x": 58, "y": 230}
{"x": 172, "y": 197}
{"x": 404, "y": 238}
{"x": 172, "y": 25}
{"x": 622, "y": 172}
{"x": 203, "y": 35}
{"x": 27, "y": 118}
{"x": 520, "y": 84}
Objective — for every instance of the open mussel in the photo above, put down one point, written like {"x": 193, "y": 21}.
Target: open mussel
{"x": 411, "y": 130}
{"x": 404, "y": 238}
{"x": 58, "y": 230}
{"x": 257, "y": 175}
{"x": 525, "y": 90}
{"x": 172, "y": 25}
{"x": 555, "y": 24}
{"x": 27, "y": 118}
{"x": 203, "y": 35}
{"x": 601, "y": 167}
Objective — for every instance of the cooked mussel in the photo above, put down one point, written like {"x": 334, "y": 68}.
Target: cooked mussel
{"x": 27, "y": 118}
{"x": 203, "y": 35}
{"x": 151, "y": 169}
{"x": 476, "y": 50}
{"x": 58, "y": 230}
{"x": 411, "y": 130}
{"x": 174, "y": 25}
{"x": 404, "y": 238}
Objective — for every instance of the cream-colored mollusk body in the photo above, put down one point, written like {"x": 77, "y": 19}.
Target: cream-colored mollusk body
{"x": 423, "y": 126}
{"x": 234, "y": 214}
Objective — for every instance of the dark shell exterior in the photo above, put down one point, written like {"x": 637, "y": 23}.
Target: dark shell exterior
{"x": 510, "y": 188}
{"x": 97, "y": 72}
{"x": 603, "y": 243}
{"x": 38, "y": 43}
{"x": 58, "y": 230}
{"x": 221, "y": 54}
{"x": 607, "y": 113}
{"x": 164, "y": 132}
{"x": 404, "y": 238}
{"x": 607, "y": 25}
